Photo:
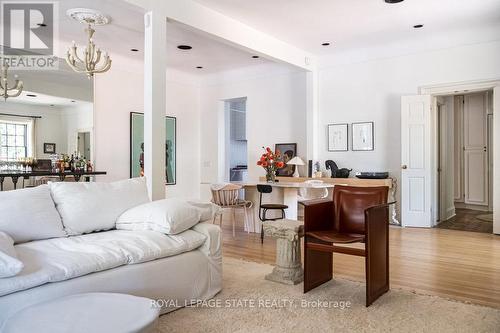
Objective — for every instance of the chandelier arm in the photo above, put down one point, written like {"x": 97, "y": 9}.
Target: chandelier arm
{"x": 18, "y": 84}
{"x": 98, "y": 56}
{"x": 16, "y": 94}
{"x": 75, "y": 54}
{"x": 105, "y": 68}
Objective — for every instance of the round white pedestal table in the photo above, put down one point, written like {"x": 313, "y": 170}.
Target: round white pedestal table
{"x": 84, "y": 313}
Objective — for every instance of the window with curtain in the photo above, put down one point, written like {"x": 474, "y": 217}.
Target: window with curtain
{"x": 13, "y": 140}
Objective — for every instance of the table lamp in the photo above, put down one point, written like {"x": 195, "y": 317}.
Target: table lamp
{"x": 296, "y": 161}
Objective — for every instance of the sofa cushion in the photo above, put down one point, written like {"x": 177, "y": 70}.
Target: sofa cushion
{"x": 62, "y": 259}
{"x": 29, "y": 214}
{"x": 168, "y": 216}
{"x": 9, "y": 264}
{"x": 89, "y": 207}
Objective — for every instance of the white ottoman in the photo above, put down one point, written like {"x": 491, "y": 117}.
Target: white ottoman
{"x": 92, "y": 312}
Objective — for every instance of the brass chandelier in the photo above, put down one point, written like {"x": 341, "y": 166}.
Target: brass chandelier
{"x": 5, "y": 90}
{"x": 92, "y": 60}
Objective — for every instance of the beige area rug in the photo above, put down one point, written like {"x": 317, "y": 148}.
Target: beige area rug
{"x": 248, "y": 303}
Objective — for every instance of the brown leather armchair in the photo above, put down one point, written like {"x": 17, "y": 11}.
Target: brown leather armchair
{"x": 356, "y": 214}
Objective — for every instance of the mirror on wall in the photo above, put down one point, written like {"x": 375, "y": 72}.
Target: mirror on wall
{"x": 53, "y": 115}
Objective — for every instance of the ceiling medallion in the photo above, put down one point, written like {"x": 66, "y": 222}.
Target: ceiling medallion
{"x": 16, "y": 90}
{"x": 93, "y": 60}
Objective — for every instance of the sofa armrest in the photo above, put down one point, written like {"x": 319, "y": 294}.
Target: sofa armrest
{"x": 213, "y": 244}
{"x": 318, "y": 215}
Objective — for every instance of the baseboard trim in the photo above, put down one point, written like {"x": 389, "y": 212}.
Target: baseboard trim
{"x": 462, "y": 205}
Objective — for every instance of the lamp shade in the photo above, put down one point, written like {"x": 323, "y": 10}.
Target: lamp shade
{"x": 296, "y": 161}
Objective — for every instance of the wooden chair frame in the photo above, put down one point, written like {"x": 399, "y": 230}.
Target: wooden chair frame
{"x": 318, "y": 254}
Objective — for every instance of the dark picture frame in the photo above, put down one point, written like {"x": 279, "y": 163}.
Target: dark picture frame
{"x": 137, "y": 147}
{"x": 363, "y": 136}
{"x": 288, "y": 151}
{"x": 338, "y": 137}
{"x": 49, "y": 148}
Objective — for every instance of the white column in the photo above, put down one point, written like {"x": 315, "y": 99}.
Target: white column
{"x": 155, "y": 47}
{"x": 312, "y": 118}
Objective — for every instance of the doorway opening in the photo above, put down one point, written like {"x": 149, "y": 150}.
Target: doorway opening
{"x": 236, "y": 139}
{"x": 83, "y": 145}
{"x": 464, "y": 184}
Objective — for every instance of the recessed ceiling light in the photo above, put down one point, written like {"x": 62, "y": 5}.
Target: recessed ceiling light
{"x": 41, "y": 24}
{"x": 30, "y": 95}
{"x": 184, "y": 47}
{"x": 255, "y": 57}
{"x": 418, "y": 26}
{"x": 326, "y": 44}
{"x": 199, "y": 67}
{"x": 393, "y": 1}
{"x": 134, "y": 50}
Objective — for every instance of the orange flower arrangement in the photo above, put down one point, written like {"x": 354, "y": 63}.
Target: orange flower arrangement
{"x": 271, "y": 162}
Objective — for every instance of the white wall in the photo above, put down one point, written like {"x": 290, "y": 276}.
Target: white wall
{"x": 372, "y": 90}
{"x": 49, "y": 128}
{"x": 119, "y": 92}
{"x": 54, "y": 126}
{"x": 275, "y": 113}
{"x": 76, "y": 119}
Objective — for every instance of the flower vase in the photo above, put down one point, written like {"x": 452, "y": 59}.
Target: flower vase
{"x": 271, "y": 176}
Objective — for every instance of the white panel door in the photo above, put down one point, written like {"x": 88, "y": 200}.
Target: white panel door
{"x": 475, "y": 149}
{"x": 496, "y": 160}
{"x": 416, "y": 161}
{"x": 476, "y": 177}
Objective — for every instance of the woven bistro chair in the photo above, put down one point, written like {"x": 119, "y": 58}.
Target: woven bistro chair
{"x": 226, "y": 196}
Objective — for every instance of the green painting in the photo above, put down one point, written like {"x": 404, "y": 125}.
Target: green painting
{"x": 137, "y": 147}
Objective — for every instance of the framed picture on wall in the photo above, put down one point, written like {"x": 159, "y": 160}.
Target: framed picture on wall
{"x": 137, "y": 147}
{"x": 362, "y": 136}
{"x": 338, "y": 137}
{"x": 49, "y": 148}
{"x": 288, "y": 151}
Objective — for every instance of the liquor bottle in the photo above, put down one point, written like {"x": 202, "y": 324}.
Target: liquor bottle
{"x": 77, "y": 163}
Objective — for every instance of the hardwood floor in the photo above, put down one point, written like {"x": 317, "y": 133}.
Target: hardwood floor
{"x": 459, "y": 265}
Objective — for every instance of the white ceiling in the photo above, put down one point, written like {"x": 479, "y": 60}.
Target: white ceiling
{"x": 356, "y": 24}
{"x": 45, "y": 100}
{"x": 126, "y": 31}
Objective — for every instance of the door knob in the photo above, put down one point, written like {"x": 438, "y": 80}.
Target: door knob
{"x": 404, "y": 167}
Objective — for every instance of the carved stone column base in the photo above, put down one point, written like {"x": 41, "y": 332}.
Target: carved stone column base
{"x": 288, "y": 269}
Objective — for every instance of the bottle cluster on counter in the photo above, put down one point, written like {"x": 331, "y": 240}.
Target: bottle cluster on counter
{"x": 72, "y": 163}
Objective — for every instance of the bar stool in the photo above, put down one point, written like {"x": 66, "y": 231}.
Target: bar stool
{"x": 263, "y": 208}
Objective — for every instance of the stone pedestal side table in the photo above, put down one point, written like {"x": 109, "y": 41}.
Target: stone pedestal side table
{"x": 288, "y": 269}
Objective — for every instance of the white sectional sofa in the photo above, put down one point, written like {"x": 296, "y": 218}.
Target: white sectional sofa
{"x": 66, "y": 238}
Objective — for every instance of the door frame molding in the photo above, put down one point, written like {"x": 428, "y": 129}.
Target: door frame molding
{"x": 459, "y": 88}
